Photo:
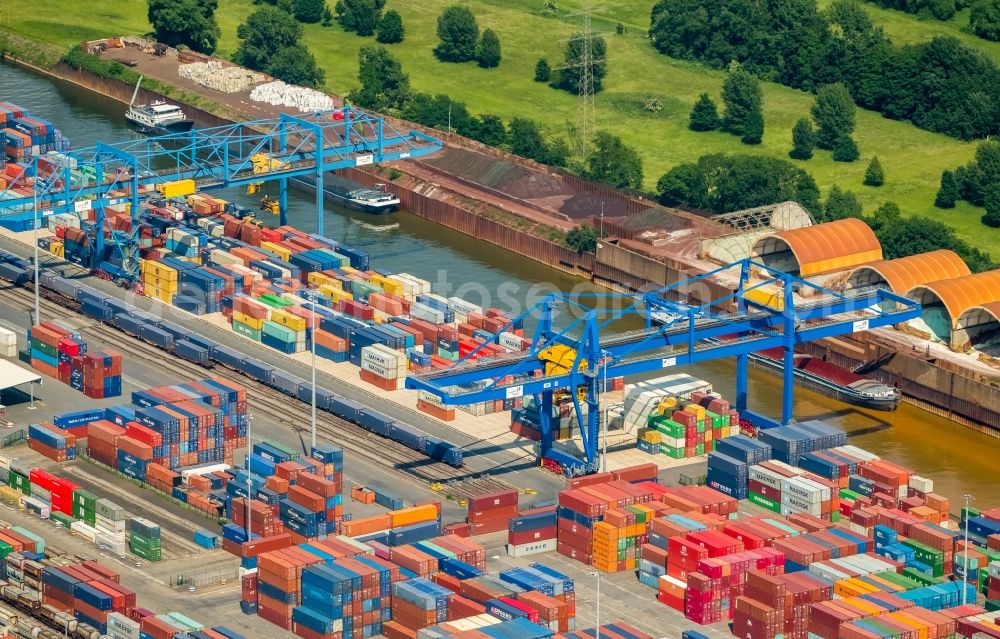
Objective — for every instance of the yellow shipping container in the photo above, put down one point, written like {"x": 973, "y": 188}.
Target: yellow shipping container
{"x": 164, "y": 285}
{"x": 159, "y": 294}
{"x": 252, "y": 322}
{"x": 288, "y": 320}
{"x": 280, "y": 251}
{"x": 413, "y": 515}
{"x": 388, "y": 285}
{"x": 318, "y": 278}
{"x": 57, "y": 249}
{"x": 158, "y": 270}
{"x": 179, "y": 188}
{"x": 335, "y": 294}
{"x": 919, "y": 626}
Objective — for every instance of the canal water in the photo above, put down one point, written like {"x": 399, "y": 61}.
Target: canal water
{"x": 958, "y": 459}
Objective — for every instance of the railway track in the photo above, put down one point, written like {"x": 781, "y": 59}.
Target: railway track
{"x": 281, "y": 409}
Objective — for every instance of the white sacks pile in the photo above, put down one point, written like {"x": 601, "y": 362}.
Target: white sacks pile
{"x": 278, "y": 93}
{"x": 215, "y": 75}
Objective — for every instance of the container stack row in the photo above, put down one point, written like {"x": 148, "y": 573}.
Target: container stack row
{"x": 60, "y": 352}
{"x": 340, "y": 588}
{"x": 164, "y": 428}
{"x": 98, "y": 520}
{"x": 182, "y": 342}
{"x": 24, "y": 138}
{"x": 51, "y": 442}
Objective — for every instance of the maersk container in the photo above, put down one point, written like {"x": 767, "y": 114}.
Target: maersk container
{"x": 191, "y": 351}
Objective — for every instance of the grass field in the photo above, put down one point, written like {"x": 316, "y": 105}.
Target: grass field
{"x": 913, "y": 159}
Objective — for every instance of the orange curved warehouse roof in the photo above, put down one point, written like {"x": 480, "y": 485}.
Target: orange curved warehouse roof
{"x": 832, "y": 246}
{"x": 993, "y": 308}
{"x": 905, "y": 273}
{"x": 960, "y": 294}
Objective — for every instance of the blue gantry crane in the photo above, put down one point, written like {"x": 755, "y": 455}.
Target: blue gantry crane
{"x": 587, "y": 350}
{"x": 292, "y": 146}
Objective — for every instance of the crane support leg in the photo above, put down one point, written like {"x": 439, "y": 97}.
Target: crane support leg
{"x": 283, "y": 201}
{"x": 788, "y": 381}
{"x": 546, "y": 422}
{"x": 742, "y": 381}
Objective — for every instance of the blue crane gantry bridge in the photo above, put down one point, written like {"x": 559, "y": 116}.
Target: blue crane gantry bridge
{"x": 294, "y": 146}
{"x": 676, "y": 334}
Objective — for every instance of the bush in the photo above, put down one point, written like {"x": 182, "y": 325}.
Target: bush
{"x": 390, "y": 28}
{"x": 582, "y": 239}
{"x": 704, "y": 116}
{"x": 803, "y": 140}
{"x": 308, "y": 11}
{"x": 948, "y": 194}
{"x": 543, "y": 72}
{"x": 845, "y": 150}
{"x": 984, "y": 19}
{"x": 459, "y": 34}
{"x": 841, "y": 204}
{"x": 874, "y": 175}
{"x": 488, "y": 50}
{"x": 360, "y": 16}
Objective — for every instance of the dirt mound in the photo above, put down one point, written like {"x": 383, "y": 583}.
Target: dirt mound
{"x": 506, "y": 177}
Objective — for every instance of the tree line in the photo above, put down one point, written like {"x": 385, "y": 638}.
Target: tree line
{"x": 941, "y": 85}
{"x": 984, "y": 15}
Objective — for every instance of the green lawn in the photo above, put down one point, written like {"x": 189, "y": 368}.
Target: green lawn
{"x": 912, "y": 159}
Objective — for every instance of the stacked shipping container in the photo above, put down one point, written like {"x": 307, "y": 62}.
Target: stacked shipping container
{"x": 60, "y": 352}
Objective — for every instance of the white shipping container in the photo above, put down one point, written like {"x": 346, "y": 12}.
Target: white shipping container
{"x": 426, "y": 313}
{"x": 922, "y": 484}
{"x": 203, "y": 470}
{"x": 860, "y": 453}
{"x": 533, "y": 548}
{"x": 791, "y": 470}
{"x": 459, "y": 305}
{"x": 383, "y": 372}
{"x": 799, "y": 507}
{"x": 994, "y": 569}
{"x": 420, "y": 286}
{"x": 383, "y": 356}
{"x": 84, "y": 530}
{"x": 827, "y": 572}
{"x": 804, "y": 489}
{"x": 513, "y": 342}
{"x": 430, "y": 398}
{"x": 766, "y": 476}
{"x": 7, "y": 337}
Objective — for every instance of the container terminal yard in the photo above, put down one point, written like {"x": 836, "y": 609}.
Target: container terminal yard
{"x": 225, "y": 426}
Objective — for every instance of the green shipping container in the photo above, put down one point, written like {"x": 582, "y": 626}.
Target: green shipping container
{"x": 147, "y": 554}
{"x": 141, "y": 541}
{"x": 992, "y": 605}
{"x": 292, "y": 454}
{"x": 273, "y": 301}
{"x": 920, "y": 577}
{"x": 671, "y": 452}
{"x": 669, "y": 427}
{"x": 84, "y": 498}
{"x": 699, "y": 449}
{"x": 761, "y": 500}
{"x": 835, "y": 516}
{"x": 62, "y": 518}
{"x": 51, "y": 351}
{"x": 926, "y": 554}
{"x": 19, "y": 482}
{"x": 242, "y": 329}
{"x": 714, "y": 419}
{"x": 5, "y": 549}
{"x": 283, "y": 333}
{"x": 39, "y": 542}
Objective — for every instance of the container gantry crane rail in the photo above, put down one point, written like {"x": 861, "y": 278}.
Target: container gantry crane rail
{"x": 587, "y": 349}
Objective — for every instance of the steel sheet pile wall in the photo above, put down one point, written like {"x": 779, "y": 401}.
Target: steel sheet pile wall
{"x": 59, "y": 351}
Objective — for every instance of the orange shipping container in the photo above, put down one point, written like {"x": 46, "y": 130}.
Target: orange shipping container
{"x": 413, "y": 515}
